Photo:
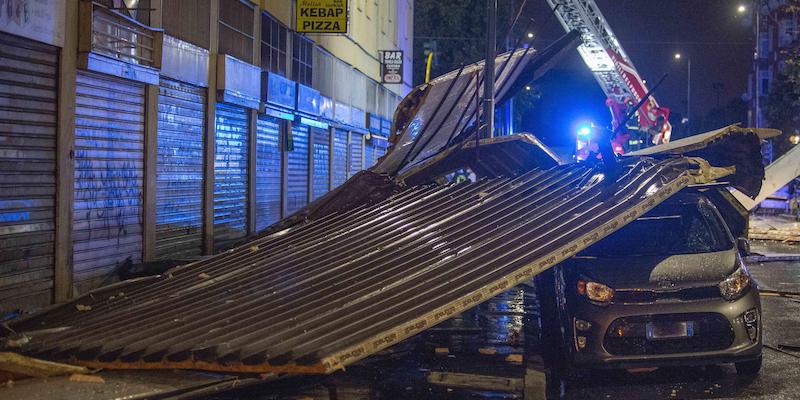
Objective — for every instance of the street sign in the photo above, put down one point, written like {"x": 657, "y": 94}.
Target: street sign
{"x": 392, "y": 66}
{"x": 321, "y": 16}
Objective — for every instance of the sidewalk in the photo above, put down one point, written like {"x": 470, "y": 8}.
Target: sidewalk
{"x": 780, "y": 227}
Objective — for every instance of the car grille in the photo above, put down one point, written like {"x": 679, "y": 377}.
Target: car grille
{"x": 650, "y": 296}
{"x": 712, "y": 331}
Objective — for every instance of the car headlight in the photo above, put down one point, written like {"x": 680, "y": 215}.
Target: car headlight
{"x": 595, "y": 291}
{"x": 736, "y": 284}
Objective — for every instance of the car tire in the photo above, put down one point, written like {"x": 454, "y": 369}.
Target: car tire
{"x": 751, "y": 367}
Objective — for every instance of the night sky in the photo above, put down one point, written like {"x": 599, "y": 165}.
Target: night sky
{"x": 718, "y": 40}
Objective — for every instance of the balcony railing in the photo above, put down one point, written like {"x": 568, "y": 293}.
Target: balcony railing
{"x": 106, "y": 32}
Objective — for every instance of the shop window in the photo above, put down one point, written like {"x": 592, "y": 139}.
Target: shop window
{"x": 236, "y": 29}
{"x": 273, "y": 45}
{"x": 187, "y": 21}
{"x": 302, "y": 61}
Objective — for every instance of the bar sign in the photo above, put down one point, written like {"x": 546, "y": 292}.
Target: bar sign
{"x": 392, "y": 66}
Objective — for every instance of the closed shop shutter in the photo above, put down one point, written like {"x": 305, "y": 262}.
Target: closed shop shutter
{"x": 369, "y": 155}
{"x": 27, "y": 172}
{"x": 179, "y": 181}
{"x": 268, "y": 172}
{"x": 109, "y": 143}
{"x": 339, "y": 163}
{"x": 355, "y": 153}
{"x": 230, "y": 176}
{"x": 379, "y": 152}
{"x": 322, "y": 155}
{"x": 297, "y": 188}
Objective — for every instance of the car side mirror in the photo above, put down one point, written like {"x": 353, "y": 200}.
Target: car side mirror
{"x": 743, "y": 245}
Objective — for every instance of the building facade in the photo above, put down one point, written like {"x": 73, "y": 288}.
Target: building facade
{"x": 777, "y": 38}
{"x": 174, "y": 129}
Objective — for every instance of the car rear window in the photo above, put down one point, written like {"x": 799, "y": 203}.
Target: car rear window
{"x": 674, "y": 228}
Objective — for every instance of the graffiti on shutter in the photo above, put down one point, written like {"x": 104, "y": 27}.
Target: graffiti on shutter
{"x": 322, "y": 155}
{"x": 339, "y": 162}
{"x": 27, "y": 172}
{"x": 356, "y": 153}
{"x": 109, "y": 143}
{"x": 179, "y": 179}
{"x": 268, "y": 172}
{"x": 230, "y": 176}
{"x": 297, "y": 188}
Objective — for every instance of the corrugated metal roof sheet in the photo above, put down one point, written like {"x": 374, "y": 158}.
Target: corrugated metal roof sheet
{"x": 329, "y": 292}
{"x": 444, "y": 111}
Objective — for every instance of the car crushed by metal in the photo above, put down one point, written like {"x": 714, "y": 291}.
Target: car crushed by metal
{"x": 670, "y": 288}
{"x": 392, "y": 252}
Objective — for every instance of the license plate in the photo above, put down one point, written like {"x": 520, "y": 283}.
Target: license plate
{"x": 669, "y": 330}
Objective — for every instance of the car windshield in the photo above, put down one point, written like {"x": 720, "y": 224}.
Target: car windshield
{"x": 675, "y": 228}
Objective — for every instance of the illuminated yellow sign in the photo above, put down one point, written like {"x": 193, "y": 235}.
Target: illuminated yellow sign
{"x": 321, "y": 16}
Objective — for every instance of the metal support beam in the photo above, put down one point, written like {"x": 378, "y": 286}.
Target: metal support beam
{"x": 65, "y": 165}
{"x": 252, "y": 131}
{"x": 211, "y": 120}
{"x": 150, "y": 157}
{"x": 491, "y": 53}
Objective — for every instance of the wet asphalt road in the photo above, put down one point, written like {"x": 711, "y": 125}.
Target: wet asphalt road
{"x": 502, "y": 325}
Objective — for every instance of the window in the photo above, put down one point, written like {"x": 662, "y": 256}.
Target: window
{"x": 763, "y": 50}
{"x": 187, "y": 21}
{"x": 273, "y": 45}
{"x": 788, "y": 28}
{"x": 139, "y": 11}
{"x": 236, "y": 29}
{"x": 323, "y": 75}
{"x": 764, "y": 78}
{"x": 670, "y": 228}
{"x": 302, "y": 59}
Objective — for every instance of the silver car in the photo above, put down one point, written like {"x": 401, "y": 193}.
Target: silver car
{"x": 670, "y": 288}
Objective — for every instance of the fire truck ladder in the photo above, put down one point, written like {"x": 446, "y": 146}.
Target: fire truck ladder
{"x": 598, "y": 43}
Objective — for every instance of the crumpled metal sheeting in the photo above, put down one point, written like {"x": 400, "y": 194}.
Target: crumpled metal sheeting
{"x": 444, "y": 111}
{"x": 731, "y": 145}
{"x": 332, "y": 291}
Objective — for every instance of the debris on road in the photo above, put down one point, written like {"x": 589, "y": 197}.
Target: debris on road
{"x": 27, "y": 366}
{"x": 86, "y": 378}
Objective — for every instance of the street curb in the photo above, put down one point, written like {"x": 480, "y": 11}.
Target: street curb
{"x": 774, "y": 258}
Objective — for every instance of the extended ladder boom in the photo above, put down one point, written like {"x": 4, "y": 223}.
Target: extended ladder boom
{"x": 611, "y": 66}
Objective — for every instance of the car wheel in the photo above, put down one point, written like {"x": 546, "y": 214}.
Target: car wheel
{"x": 749, "y": 367}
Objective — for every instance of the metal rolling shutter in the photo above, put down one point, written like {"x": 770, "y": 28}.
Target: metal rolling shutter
{"x": 339, "y": 163}
{"x": 369, "y": 155}
{"x": 230, "y": 176}
{"x": 322, "y": 155}
{"x": 355, "y": 154}
{"x": 109, "y": 143}
{"x": 27, "y": 171}
{"x": 268, "y": 172}
{"x": 179, "y": 180}
{"x": 297, "y": 188}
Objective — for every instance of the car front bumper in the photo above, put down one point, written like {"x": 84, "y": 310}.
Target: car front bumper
{"x": 598, "y": 353}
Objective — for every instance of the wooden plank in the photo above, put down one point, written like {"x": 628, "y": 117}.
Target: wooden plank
{"x": 22, "y": 365}
{"x": 475, "y": 381}
{"x": 65, "y": 180}
{"x": 535, "y": 379}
